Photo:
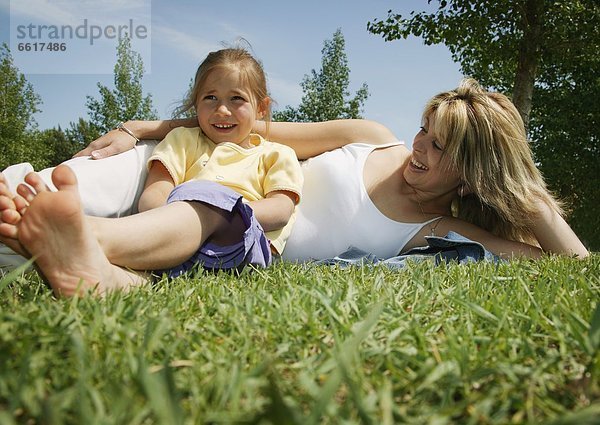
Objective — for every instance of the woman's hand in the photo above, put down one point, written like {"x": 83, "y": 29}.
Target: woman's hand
{"x": 117, "y": 141}
{"x": 111, "y": 143}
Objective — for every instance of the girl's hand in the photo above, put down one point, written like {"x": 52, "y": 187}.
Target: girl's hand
{"x": 111, "y": 143}
{"x": 274, "y": 211}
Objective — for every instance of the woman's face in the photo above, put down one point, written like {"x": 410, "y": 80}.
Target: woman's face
{"x": 427, "y": 171}
{"x": 226, "y": 108}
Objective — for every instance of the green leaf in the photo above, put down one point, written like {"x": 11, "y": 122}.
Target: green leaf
{"x": 13, "y": 275}
{"x": 595, "y": 329}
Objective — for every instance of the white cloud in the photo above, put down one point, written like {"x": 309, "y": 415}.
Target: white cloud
{"x": 193, "y": 47}
{"x": 72, "y": 12}
{"x": 42, "y": 11}
{"x": 284, "y": 92}
{"x": 199, "y": 39}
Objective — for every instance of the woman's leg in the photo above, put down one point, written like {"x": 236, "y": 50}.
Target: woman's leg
{"x": 9, "y": 218}
{"x": 11, "y": 210}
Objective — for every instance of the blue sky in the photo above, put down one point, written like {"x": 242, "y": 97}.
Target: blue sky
{"x": 287, "y": 36}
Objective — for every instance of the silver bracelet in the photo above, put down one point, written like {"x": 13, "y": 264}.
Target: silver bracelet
{"x": 121, "y": 127}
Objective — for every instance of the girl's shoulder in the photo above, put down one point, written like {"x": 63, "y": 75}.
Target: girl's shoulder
{"x": 183, "y": 132}
{"x": 270, "y": 146}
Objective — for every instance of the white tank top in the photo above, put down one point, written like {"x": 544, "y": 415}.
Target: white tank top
{"x": 336, "y": 211}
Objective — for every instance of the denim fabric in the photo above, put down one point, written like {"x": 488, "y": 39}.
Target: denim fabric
{"x": 439, "y": 249}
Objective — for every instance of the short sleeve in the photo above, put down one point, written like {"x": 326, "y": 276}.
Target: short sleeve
{"x": 283, "y": 171}
{"x": 175, "y": 151}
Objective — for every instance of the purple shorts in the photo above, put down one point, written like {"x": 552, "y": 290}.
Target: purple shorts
{"x": 254, "y": 248}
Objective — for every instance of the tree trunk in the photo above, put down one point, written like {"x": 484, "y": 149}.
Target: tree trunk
{"x": 529, "y": 53}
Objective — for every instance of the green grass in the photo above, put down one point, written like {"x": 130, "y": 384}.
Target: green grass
{"x": 476, "y": 344}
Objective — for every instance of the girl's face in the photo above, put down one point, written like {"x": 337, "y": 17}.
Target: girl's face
{"x": 226, "y": 108}
{"x": 427, "y": 171}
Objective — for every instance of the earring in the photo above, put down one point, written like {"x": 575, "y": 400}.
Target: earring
{"x": 455, "y": 207}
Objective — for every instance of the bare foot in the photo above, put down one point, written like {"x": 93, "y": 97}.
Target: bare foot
{"x": 11, "y": 209}
{"x": 34, "y": 185}
{"x": 56, "y": 232}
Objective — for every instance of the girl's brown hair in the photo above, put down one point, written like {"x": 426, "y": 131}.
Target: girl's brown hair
{"x": 237, "y": 58}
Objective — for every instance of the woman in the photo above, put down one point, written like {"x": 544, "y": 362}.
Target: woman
{"x": 471, "y": 155}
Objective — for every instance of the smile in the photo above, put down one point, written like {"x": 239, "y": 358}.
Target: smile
{"x": 418, "y": 165}
{"x": 224, "y": 126}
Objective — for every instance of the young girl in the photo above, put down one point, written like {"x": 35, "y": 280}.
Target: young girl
{"x": 245, "y": 190}
{"x": 222, "y": 159}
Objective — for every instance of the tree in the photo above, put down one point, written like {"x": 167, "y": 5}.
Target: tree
{"x": 46, "y": 148}
{"x": 59, "y": 146}
{"x": 81, "y": 133}
{"x": 18, "y": 104}
{"x": 545, "y": 54}
{"x": 326, "y": 91}
{"x": 126, "y": 101}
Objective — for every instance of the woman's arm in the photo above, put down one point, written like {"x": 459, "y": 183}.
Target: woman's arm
{"x": 117, "y": 141}
{"x": 552, "y": 233}
{"x": 307, "y": 139}
{"x": 312, "y": 139}
{"x": 555, "y": 235}
{"x": 503, "y": 248}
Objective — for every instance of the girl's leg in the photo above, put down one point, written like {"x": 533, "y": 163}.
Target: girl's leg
{"x": 160, "y": 238}
{"x": 165, "y": 237}
{"x": 55, "y": 231}
{"x": 107, "y": 188}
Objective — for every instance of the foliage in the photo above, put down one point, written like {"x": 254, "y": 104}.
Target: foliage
{"x": 58, "y": 147}
{"x": 43, "y": 147}
{"x": 20, "y": 140}
{"x": 82, "y": 132}
{"x": 545, "y": 54}
{"x": 480, "y": 343}
{"x": 18, "y": 104}
{"x": 483, "y": 36}
{"x": 567, "y": 146}
{"x": 326, "y": 92}
{"x": 126, "y": 101}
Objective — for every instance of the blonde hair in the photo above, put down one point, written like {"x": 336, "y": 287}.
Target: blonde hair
{"x": 240, "y": 59}
{"x": 485, "y": 142}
